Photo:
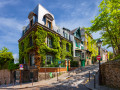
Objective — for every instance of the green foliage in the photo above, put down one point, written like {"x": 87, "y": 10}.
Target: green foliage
{"x": 116, "y": 57}
{"x": 39, "y": 39}
{"x": 74, "y": 63}
{"x": 12, "y": 66}
{"x": 108, "y": 22}
{"x": 27, "y": 47}
{"x": 6, "y": 59}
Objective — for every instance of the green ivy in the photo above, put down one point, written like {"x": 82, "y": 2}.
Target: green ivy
{"x": 39, "y": 37}
{"x": 27, "y": 48}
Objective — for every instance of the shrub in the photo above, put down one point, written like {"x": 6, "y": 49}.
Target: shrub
{"x": 74, "y": 64}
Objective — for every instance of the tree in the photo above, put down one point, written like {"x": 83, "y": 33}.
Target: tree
{"x": 108, "y": 22}
{"x": 6, "y": 59}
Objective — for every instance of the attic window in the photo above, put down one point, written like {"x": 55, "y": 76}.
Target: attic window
{"x": 48, "y": 20}
{"x": 31, "y": 22}
{"x": 49, "y": 24}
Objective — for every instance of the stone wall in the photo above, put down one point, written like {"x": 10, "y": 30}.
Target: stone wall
{"x": 6, "y": 76}
{"x": 28, "y": 75}
{"x": 110, "y": 72}
{"x": 43, "y": 75}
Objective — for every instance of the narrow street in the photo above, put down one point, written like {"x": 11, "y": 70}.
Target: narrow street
{"x": 73, "y": 80}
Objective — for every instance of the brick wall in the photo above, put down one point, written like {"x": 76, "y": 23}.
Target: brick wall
{"x": 110, "y": 72}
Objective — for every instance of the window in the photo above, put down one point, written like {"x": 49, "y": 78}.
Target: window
{"x": 65, "y": 35}
{"x": 49, "y": 24}
{"x": 32, "y": 62}
{"x": 61, "y": 45}
{"x": 30, "y": 41}
{"x": 49, "y": 42}
{"x": 82, "y": 56}
{"x": 77, "y": 44}
{"x": 77, "y": 53}
{"x": 49, "y": 59}
{"x": 67, "y": 47}
{"x": 31, "y": 22}
{"x": 81, "y": 42}
{"x": 22, "y": 47}
{"x": 78, "y": 34}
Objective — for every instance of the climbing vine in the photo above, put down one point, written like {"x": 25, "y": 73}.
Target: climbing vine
{"x": 92, "y": 46}
{"x": 39, "y": 39}
{"x": 27, "y": 48}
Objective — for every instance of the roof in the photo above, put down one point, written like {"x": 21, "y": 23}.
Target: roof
{"x": 73, "y": 31}
{"x": 66, "y": 29}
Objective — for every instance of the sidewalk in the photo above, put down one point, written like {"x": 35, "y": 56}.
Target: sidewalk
{"x": 90, "y": 85}
{"x": 53, "y": 81}
{"x": 39, "y": 83}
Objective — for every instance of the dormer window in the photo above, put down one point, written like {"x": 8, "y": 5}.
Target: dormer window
{"x": 49, "y": 24}
{"x": 31, "y": 22}
{"x": 31, "y": 17}
{"x": 48, "y": 20}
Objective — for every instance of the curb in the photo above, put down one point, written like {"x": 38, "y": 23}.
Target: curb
{"x": 26, "y": 87}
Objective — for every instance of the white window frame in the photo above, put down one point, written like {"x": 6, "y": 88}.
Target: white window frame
{"x": 51, "y": 57}
{"x": 32, "y": 61}
{"x": 49, "y": 40}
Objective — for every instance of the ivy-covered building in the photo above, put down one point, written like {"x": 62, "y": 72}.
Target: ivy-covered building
{"x": 41, "y": 44}
{"x": 90, "y": 47}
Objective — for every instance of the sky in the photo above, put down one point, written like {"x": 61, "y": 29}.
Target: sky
{"x": 68, "y": 13}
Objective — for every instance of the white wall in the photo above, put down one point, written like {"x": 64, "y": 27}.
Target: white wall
{"x": 41, "y": 12}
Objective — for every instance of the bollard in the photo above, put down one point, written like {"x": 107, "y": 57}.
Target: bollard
{"x": 89, "y": 76}
{"x": 59, "y": 69}
{"x": 5, "y": 81}
{"x": 94, "y": 82}
{"x": 13, "y": 82}
{"x": 57, "y": 76}
{"x": 45, "y": 73}
{"x": 68, "y": 73}
{"x": 32, "y": 81}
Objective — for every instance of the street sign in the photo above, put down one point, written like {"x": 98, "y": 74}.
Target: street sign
{"x": 21, "y": 66}
{"x": 98, "y": 57}
{"x": 59, "y": 62}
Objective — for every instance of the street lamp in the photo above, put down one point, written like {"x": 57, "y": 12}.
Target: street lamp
{"x": 99, "y": 43}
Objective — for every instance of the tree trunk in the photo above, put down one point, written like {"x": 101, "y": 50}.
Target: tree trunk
{"x": 114, "y": 53}
{"x": 118, "y": 50}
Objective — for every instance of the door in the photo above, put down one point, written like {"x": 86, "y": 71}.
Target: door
{"x": 82, "y": 63}
{"x": 67, "y": 66}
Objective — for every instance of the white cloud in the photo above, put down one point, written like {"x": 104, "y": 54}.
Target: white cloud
{"x": 10, "y": 23}
{"x": 10, "y": 32}
{"x": 3, "y": 3}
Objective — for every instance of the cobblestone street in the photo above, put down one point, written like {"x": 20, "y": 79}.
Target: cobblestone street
{"x": 73, "y": 80}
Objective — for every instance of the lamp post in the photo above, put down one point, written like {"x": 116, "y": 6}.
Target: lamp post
{"x": 99, "y": 43}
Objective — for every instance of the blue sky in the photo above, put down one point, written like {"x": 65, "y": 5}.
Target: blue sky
{"x": 67, "y": 13}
